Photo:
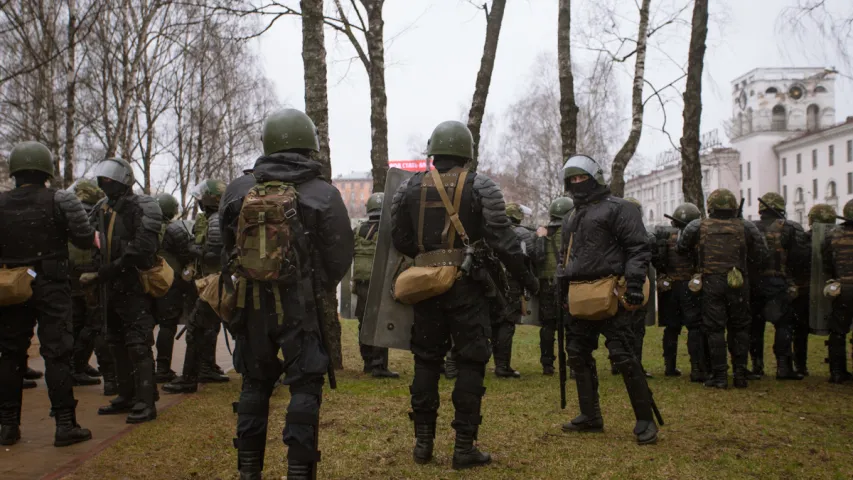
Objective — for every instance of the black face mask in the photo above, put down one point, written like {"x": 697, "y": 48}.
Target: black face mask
{"x": 113, "y": 190}
{"x": 583, "y": 189}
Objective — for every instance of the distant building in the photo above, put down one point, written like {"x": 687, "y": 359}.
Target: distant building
{"x": 355, "y": 189}
{"x": 5, "y": 181}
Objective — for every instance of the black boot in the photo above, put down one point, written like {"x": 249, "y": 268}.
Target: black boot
{"x": 164, "y": 375}
{"x": 10, "y": 427}
{"x": 33, "y": 374}
{"x": 801, "y": 351}
{"x": 785, "y": 369}
{"x": 250, "y": 464}
{"x": 639, "y": 394}
{"x": 208, "y": 374}
{"x": 589, "y": 420}
{"x": 465, "y": 453}
{"x": 27, "y": 384}
{"x": 182, "y": 384}
{"x": 68, "y": 431}
{"x": 118, "y": 405}
{"x": 503, "y": 370}
{"x": 671, "y": 370}
{"x": 382, "y": 371}
{"x": 91, "y": 371}
{"x": 757, "y": 372}
{"x": 740, "y": 377}
{"x": 547, "y": 370}
{"x": 838, "y": 359}
{"x": 300, "y": 471}
{"x": 697, "y": 372}
{"x": 424, "y": 441}
{"x": 81, "y": 379}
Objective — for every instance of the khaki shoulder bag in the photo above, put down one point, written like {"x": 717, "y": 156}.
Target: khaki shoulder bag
{"x": 435, "y": 272}
{"x": 593, "y": 299}
{"x": 16, "y": 285}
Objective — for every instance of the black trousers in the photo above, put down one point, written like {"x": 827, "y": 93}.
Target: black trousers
{"x": 456, "y": 321}
{"x": 89, "y": 334}
{"x": 549, "y": 315}
{"x": 679, "y": 308}
{"x": 259, "y": 337}
{"x": 800, "y": 306}
{"x": 202, "y": 332}
{"x": 130, "y": 335}
{"x": 503, "y": 320}
{"x": 726, "y": 309}
{"x": 373, "y": 357}
{"x": 50, "y": 308}
{"x": 168, "y": 311}
{"x": 840, "y": 321}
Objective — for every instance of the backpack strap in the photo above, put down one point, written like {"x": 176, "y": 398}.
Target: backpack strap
{"x": 451, "y": 208}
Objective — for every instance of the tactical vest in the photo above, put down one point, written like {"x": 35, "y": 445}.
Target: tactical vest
{"x": 434, "y": 228}
{"x": 170, "y": 257}
{"x": 842, "y": 253}
{"x": 777, "y": 263}
{"x": 678, "y": 267}
{"x": 30, "y": 231}
{"x": 212, "y": 242}
{"x": 552, "y": 253}
{"x": 119, "y": 237}
{"x": 722, "y": 245}
{"x": 365, "y": 249}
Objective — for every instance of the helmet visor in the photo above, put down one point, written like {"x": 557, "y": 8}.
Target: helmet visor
{"x": 113, "y": 170}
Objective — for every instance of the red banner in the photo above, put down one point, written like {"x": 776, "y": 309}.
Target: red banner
{"x": 409, "y": 165}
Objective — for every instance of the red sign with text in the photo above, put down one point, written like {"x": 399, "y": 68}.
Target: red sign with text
{"x": 409, "y": 165}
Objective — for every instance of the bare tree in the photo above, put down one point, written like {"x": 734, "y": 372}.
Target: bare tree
{"x": 568, "y": 107}
{"x": 830, "y": 20}
{"x": 494, "y": 18}
{"x": 691, "y": 166}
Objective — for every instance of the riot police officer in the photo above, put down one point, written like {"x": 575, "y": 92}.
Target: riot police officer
{"x": 88, "y": 326}
{"x": 366, "y": 233}
{"x": 727, "y": 245}
{"x": 770, "y": 288}
{"x": 426, "y": 227}
{"x": 37, "y": 222}
{"x": 176, "y": 238}
{"x": 640, "y": 315}
{"x": 838, "y": 265}
{"x": 678, "y": 306}
{"x": 283, "y": 315}
{"x": 548, "y": 243}
{"x": 604, "y": 238}
{"x": 204, "y": 325}
{"x": 131, "y": 226}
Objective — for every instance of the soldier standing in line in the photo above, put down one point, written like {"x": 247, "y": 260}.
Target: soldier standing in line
{"x": 837, "y": 251}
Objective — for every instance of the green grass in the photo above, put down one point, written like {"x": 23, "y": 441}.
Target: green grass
{"x": 771, "y": 430}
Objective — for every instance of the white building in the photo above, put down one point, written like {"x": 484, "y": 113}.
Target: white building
{"x": 784, "y": 139}
{"x": 660, "y": 191}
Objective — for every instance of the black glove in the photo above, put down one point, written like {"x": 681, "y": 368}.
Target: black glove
{"x": 634, "y": 295}
{"x": 196, "y": 251}
{"x": 531, "y": 283}
{"x": 110, "y": 271}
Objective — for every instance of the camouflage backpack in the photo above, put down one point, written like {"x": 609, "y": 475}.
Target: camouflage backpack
{"x": 266, "y": 241}
{"x": 365, "y": 249}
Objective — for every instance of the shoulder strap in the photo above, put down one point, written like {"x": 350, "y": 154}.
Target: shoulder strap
{"x": 571, "y": 240}
{"x": 369, "y": 235}
{"x": 452, "y": 209}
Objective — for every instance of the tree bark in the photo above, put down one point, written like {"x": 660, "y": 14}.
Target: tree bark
{"x": 314, "y": 60}
{"x": 317, "y": 107}
{"x": 378, "y": 98}
{"x": 620, "y": 162}
{"x": 691, "y": 166}
{"x": 484, "y": 76}
{"x": 70, "y": 93}
{"x": 568, "y": 106}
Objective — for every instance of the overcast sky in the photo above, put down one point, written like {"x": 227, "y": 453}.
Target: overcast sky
{"x": 433, "y": 50}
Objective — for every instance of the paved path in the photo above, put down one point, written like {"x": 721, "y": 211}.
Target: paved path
{"x": 35, "y": 457}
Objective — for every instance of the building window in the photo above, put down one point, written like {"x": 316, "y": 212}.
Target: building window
{"x": 814, "y": 159}
{"x": 740, "y": 175}
{"x": 819, "y": 89}
{"x": 749, "y": 197}
{"x": 850, "y": 150}
{"x": 812, "y": 118}
{"x": 749, "y": 170}
{"x": 798, "y": 196}
{"x": 831, "y": 155}
{"x": 849, "y": 183}
{"x": 830, "y": 190}
{"x": 771, "y": 91}
{"x": 779, "y": 120}
{"x": 799, "y": 163}
{"x": 785, "y": 193}
{"x": 814, "y": 188}
{"x": 784, "y": 166}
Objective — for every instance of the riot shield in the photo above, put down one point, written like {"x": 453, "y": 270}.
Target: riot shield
{"x": 531, "y": 316}
{"x": 346, "y": 295}
{"x": 387, "y": 322}
{"x": 652, "y": 305}
{"x": 819, "y": 305}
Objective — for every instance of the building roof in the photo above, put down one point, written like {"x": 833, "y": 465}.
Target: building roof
{"x": 779, "y": 73}
{"x": 806, "y": 137}
{"x": 352, "y": 176}
{"x": 702, "y": 158}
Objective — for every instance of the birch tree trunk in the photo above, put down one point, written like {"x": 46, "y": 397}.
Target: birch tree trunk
{"x": 378, "y": 99}
{"x": 620, "y": 162}
{"x": 70, "y": 93}
{"x": 484, "y": 77}
{"x": 568, "y": 105}
{"x": 691, "y": 166}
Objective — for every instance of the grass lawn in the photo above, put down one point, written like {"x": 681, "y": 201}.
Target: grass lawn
{"x": 783, "y": 430}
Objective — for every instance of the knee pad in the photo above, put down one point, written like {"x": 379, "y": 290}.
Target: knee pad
{"x": 254, "y": 404}
{"x": 578, "y": 362}
{"x": 466, "y": 398}
{"x": 299, "y": 452}
{"x": 471, "y": 368}
{"x": 314, "y": 388}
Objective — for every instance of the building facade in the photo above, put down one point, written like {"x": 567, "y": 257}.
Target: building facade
{"x": 355, "y": 189}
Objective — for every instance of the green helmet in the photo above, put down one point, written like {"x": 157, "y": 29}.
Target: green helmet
{"x": 822, "y": 213}
{"x": 848, "y": 210}
{"x": 209, "y": 192}
{"x": 87, "y": 191}
{"x": 582, "y": 165}
{"x": 374, "y": 203}
{"x": 774, "y": 200}
{"x": 722, "y": 199}
{"x": 686, "y": 212}
{"x": 451, "y": 138}
{"x": 30, "y": 156}
{"x": 168, "y": 205}
{"x": 560, "y": 207}
{"x": 116, "y": 169}
{"x": 513, "y": 211}
{"x": 289, "y": 129}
